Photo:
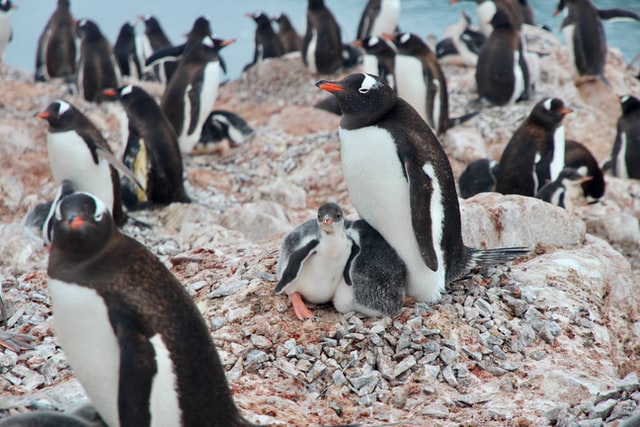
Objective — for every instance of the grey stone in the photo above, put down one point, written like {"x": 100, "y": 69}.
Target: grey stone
{"x": 447, "y": 355}
{"x": 477, "y": 356}
{"x": 497, "y": 352}
{"x": 629, "y": 383}
{"x": 449, "y": 376}
{"x": 403, "y": 342}
{"x": 526, "y": 335}
{"x": 614, "y": 393}
{"x": 406, "y": 364}
{"x": 260, "y": 341}
{"x": 603, "y": 409}
{"x": 549, "y": 331}
{"x": 472, "y": 399}
{"x": 484, "y": 308}
{"x": 623, "y": 409}
{"x": 338, "y": 377}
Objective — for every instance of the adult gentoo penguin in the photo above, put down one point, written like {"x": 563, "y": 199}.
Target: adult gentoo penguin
{"x": 79, "y": 153}
{"x": 400, "y": 181}
{"x": 379, "y": 17}
{"x": 291, "y": 40}
{"x": 313, "y": 260}
{"x": 585, "y": 37}
{"x": 132, "y": 335}
{"x": 193, "y": 89}
{"x": 378, "y": 275}
{"x": 535, "y": 152}
{"x": 379, "y": 58}
{"x": 6, "y": 32}
{"x": 153, "y": 40}
{"x": 152, "y": 152}
{"x": 97, "y": 67}
{"x": 125, "y": 50}
{"x": 267, "y": 44}
{"x": 56, "y": 52}
{"x": 322, "y": 43}
{"x": 566, "y": 190}
{"x": 625, "y": 156}
{"x": 421, "y": 82}
{"x": 502, "y": 75}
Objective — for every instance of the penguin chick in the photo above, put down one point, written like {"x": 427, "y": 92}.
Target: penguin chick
{"x": 400, "y": 181}
{"x": 291, "y": 40}
{"x": 478, "y": 177}
{"x": 313, "y": 260}
{"x": 132, "y": 335}
{"x": 566, "y": 190}
{"x": 223, "y": 125}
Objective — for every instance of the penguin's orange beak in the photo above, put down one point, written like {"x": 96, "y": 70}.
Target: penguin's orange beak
{"x": 329, "y": 86}
{"x": 109, "y": 92}
{"x": 556, "y": 12}
{"x": 585, "y": 179}
{"x": 357, "y": 43}
{"x": 43, "y": 115}
{"x": 566, "y": 111}
{"x": 227, "y": 42}
{"x": 453, "y": 2}
{"x": 76, "y": 222}
{"x": 389, "y": 37}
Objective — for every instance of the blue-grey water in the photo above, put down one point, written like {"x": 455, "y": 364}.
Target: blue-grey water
{"x": 229, "y": 21}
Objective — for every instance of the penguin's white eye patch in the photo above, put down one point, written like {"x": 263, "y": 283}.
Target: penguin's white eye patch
{"x": 547, "y": 104}
{"x": 405, "y": 38}
{"x": 625, "y": 98}
{"x": 368, "y": 83}
{"x": 208, "y": 41}
{"x": 62, "y": 107}
{"x": 126, "y": 90}
{"x": 373, "y": 41}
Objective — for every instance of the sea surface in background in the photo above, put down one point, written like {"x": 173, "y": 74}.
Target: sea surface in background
{"x": 228, "y": 20}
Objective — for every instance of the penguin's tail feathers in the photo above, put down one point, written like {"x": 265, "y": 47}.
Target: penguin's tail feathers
{"x": 488, "y": 257}
{"x": 455, "y": 121}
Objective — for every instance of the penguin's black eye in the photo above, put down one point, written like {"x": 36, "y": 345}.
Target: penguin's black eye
{"x": 363, "y": 90}
{"x": 97, "y": 217}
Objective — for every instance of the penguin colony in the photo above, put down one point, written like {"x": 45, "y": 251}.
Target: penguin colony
{"x": 133, "y": 351}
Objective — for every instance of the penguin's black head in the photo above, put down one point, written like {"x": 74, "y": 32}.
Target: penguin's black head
{"x": 64, "y": 3}
{"x": 82, "y": 224}
{"x": 128, "y": 30}
{"x": 261, "y": 19}
{"x": 88, "y": 30}
{"x": 283, "y": 21}
{"x": 151, "y": 24}
{"x": 549, "y": 112}
{"x": 559, "y": 8}
{"x": 59, "y": 115}
{"x": 315, "y": 4}
{"x": 409, "y": 44}
{"x": 375, "y": 45}
{"x": 201, "y": 29}
{"x": 501, "y": 20}
{"x": 363, "y": 98}
{"x": 572, "y": 175}
{"x": 125, "y": 94}
{"x": 5, "y": 5}
{"x": 329, "y": 217}
{"x": 629, "y": 104}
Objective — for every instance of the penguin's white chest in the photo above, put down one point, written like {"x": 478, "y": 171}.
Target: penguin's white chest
{"x": 89, "y": 343}
{"x": 205, "y": 99}
{"x": 311, "y": 52}
{"x": 410, "y": 82}
{"x": 380, "y": 193}
{"x": 5, "y": 31}
{"x": 519, "y": 83}
{"x": 322, "y": 271}
{"x": 557, "y": 162}
{"x": 387, "y": 19}
{"x": 621, "y": 158}
{"x": 370, "y": 64}
{"x": 71, "y": 159}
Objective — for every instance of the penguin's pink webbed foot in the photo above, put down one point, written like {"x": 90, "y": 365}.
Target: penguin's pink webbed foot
{"x": 301, "y": 310}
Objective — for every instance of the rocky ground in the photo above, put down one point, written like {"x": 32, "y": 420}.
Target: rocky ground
{"x": 553, "y": 339}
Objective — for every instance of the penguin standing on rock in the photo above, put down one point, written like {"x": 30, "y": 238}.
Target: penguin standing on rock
{"x": 502, "y": 75}
{"x": 322, "y": 43}
{"x": 535, "y": 152}
{"x": 291, "y": 40}
{"x": 97, "y": 67}
{"x": 79, "y": 153}
{"x": 220, "y": 126}
{"x": 400, "y": 181}
{"x": 313, "y": 260}
{"x": 625, "y": 156}
{"x": 56, "y": 52}
{"x": 132, "y": 335}
{"x": 152, "y": 152}
{"x": 267, "y": 42}
{"x": 379, "y": 17}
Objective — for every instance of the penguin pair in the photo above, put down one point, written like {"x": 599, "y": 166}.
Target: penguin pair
{"x": 6, "y": 32}
{"x": 379, "y": 17}
{"x": 502, "y": 74}
{"x": 291, "y": 40}
{"x": 97, "y": 66}
{"x": 463, "y": 44}
{"x": 625, "y": 155}
{"x": 152, "y": 41}
{"x": 421, "y": 82}
{"x": 151, "y": 152}
{"x": 267, "y": 44}
{"x": 585, "y": 37}
{"x": 535, "y": 153}
{"x": 192, "y": 91}
{"x": 346, "y": 262}
{"x": 401, "y": 183}
{"x": 566, "y": 190}
{"x": 56, "y": 52}
{"x": 131, "y": 333}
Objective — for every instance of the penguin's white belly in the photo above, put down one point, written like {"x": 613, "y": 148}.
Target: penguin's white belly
{"x": 567, "y": 31}
{"x": 311, "y": 52}
{"x": 557, "y": 162}
{"x": 518, "y": 84}
{"x": 380, "y": 193}
{"x": 321, "y": 272}
{"x": 5, "y": 31}
{"x": 345, "y": 301}
{"x": 206, "y": 98}
{"x": 370, "y": 64}
{"x": 621, "y": 160}
{"x": 164, "y": 402}
{"x": 410, "y": 83}
{"x": 387, "y": 19}
{"x": 71, "y": 159}
{"x": 485, "y": 12}
{"x": 89, "y": 343}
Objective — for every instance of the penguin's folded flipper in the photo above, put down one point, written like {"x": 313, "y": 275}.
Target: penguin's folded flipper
{"x": 117, "y": 163}
{"x": 167, "y": 54}
{"x": 297, "y": 258}
{"x": 346, "y": 274}
{"x": 618, "y": 15}
{"x": 421, "y": 184}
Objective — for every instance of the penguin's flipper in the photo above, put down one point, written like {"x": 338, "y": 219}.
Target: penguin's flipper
{"x": 346, "y": 274}
{"x": 167, "y": 54}
{"x": 294, "y": 264}
{"x": 116, "y": 163}
{"x": 618, "y": 15}
{"x": 421, "y": 184}
{"x": 194, "y": 91}
{"x": 136, "y": 374}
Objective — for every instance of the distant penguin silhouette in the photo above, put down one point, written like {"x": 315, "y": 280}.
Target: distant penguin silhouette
{"x": 6, "y": 32}
{"x": 463, "y": 44}
{"x": 267, "y": 44}
{"x": 153, "y": 40}
{"x": 486, "y": 10}
{"x": 625, "y": 156}
{"x": 478, "y": 177}
{"x": 379, "y": 58}
{"x": 322, "y": 43}
{"x": 578, "y": 157}
{"x": 56, "y": 52}
{"x": 125, "y": 50}
{"x": 291, "y": 40}
{"x": 220, "y": 126}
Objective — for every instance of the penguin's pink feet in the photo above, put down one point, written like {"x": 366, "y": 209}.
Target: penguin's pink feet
{"x": 302, "y": 312}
